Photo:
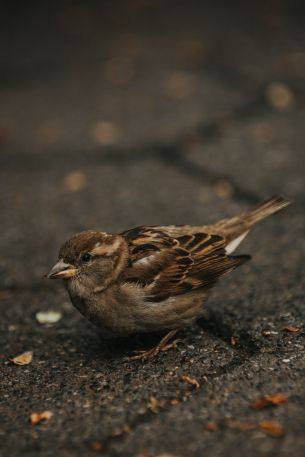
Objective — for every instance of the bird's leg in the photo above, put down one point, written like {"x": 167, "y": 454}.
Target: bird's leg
{"x": 163, "y": 345}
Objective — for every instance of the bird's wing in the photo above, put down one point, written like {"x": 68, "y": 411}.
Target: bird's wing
{"x": 150, "y": 250}
{"x": 167, "y": 266}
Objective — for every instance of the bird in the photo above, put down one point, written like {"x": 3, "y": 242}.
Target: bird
{"x": 153, "y": 278}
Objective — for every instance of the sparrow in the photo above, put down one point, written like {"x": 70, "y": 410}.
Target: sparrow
{"x": 153, "y": 278}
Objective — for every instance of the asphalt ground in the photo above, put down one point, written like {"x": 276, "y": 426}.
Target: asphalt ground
{"x": 116, "y": 114}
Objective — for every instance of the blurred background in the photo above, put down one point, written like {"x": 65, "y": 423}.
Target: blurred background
{"x": 119, "y": 113}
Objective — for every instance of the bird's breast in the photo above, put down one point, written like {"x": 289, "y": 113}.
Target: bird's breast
{"x": 122, "y": 309}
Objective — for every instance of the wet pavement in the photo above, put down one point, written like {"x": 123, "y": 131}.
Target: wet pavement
{"x": 115, "y": 114}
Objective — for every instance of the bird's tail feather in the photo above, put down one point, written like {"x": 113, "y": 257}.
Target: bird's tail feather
{"x": 235, "y": 229}
{"x": 265, "y": 209}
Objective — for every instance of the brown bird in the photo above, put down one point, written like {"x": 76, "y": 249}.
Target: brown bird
{"x": 152, "y": 278}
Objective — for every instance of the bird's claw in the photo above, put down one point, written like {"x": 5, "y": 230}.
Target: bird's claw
{"x": 144, "y": 355}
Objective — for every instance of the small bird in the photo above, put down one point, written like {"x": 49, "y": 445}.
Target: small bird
{"x": 152, "y": 278}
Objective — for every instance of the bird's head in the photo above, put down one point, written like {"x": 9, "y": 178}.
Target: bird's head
{"x": 94, "y": 258}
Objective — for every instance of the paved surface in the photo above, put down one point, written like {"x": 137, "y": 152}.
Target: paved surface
{"x": 122, "y": 113}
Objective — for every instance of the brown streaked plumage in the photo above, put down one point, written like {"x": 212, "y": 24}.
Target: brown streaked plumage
{"x": 152, "y": 277}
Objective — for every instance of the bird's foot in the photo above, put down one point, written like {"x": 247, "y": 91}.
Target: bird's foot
{"x": 163, "y": 346}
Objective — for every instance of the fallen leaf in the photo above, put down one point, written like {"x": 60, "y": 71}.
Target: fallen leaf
{"x": 290, "y": 328}
{"x": 38, "y": 417}
{"x": 212, "y": 426}
{"x": 267, "y": 400}
{"x": 223, "y": 188}
{"x": 280, "y": 96}
{"x": 272, "y": 428}
{"x": 48, "y": 317}
{"x": 12, "y": 328}
{"x": 174, "y": 401}
{"x": 191, "y": 381}
{"x": 75, "y": 181}
{"x": 23, "y": 359}
{"x": 238, "y": 425}
{"x": 269, "y": 333}
{"x": 234, "y": 341}
{"x": 155, "y": 405}
{"x": 121, "y": 430}
{"x": 97, "y": 446}
{"x": 105, "y": 133}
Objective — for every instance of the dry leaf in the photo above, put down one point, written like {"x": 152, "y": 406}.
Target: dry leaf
{"x": 223, "y": 188}
{"x": 234, "y": 341}
{"x": 290, "y": 328}
{"x": 48, "y": 317}
{"x": 272, "y": 428}
{"x": 280, "y": 96}
{"x": 212, "y": 426}
{"x": 105, "y": 133}
{"x": 155, "y": 405}
{"x": 97, "y": 446}
{"x": 75, "y": 181}
{"x": 238, "y": 425}
{"x": 269, "y": 333}
{"x": 267, "y": 400}
{"x": 23, "y": 359}
{"x": 12, "y": 328}
{"x": 38, "y": 417}
{"x": 121, "y": 430}
{"x": 174, "y": 401}
{"x": 191, "y": 381}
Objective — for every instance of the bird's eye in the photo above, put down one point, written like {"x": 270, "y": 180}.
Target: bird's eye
{"x": 86, "y": 257}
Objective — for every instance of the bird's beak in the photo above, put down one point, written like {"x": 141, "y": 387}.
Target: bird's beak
{"x": 62, "y": 270}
